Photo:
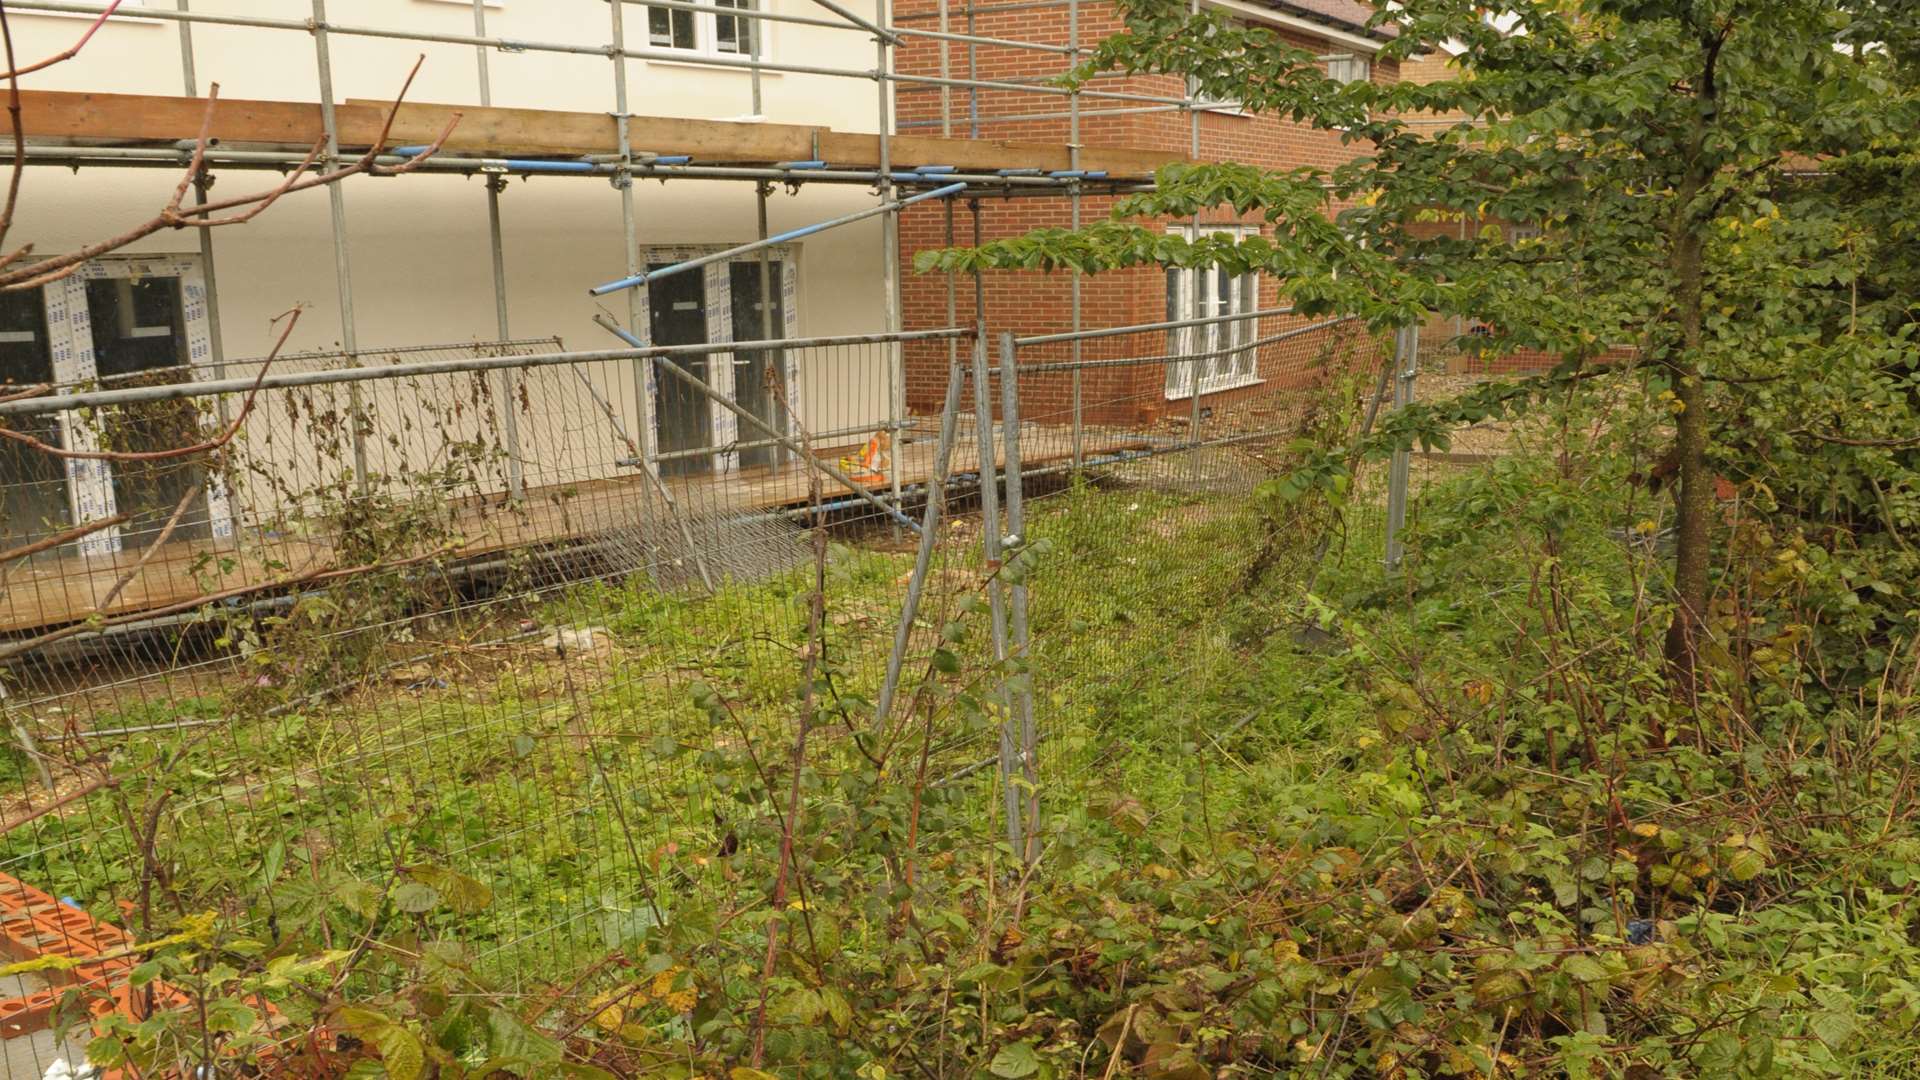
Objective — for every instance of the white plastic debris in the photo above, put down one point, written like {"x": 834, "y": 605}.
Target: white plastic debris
{"x": 62, "y": 1069}
{"x": 568, "y": 639}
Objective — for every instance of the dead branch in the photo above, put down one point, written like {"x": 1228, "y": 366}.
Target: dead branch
{"x": 65, "y": 54}
{"x": 54, "y": 541}
{"x": 13, "y": 73}
{"x": 64, "y": 800}
{"x": 166, "y": 532}
{"x": 206, "y": 599}
{"x": 1842, "y": 440}
{"x": 176, "y": 216}
{"x": 292, "y": 317}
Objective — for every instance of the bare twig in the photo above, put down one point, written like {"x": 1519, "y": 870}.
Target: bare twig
{"x": 64, "y": 800}
{"x": 52, "y": 636}
{"x": 1842, "y": 440}
{"x": 292, "y": 317}
{"x": 790, "y": 825}
{"x": 65, "y": 54}
{"x": 166, "y": 533}
{"x": 13, "y": 73}
{"x": 54, "y": 541}
{"x": 175, "y": 216}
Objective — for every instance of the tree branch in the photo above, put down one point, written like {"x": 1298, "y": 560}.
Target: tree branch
{"x": 174, "y": 216}
{"x": 1842, "y": 440}
{"x": 291, "y": 316}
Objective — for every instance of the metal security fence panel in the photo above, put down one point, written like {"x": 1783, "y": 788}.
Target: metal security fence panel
{"x": 1160, "y": 548}
{"x": 460, "y": 619}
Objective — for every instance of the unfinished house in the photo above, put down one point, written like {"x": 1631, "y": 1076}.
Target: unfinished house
{"x": 733, "y": 128}
{"x": 1040, "y": 40}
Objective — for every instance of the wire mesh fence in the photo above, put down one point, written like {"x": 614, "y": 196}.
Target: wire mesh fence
{"x": 434, "y": 608}
{"x": 1169, "y": 521}
{"x": 480, "y": 638}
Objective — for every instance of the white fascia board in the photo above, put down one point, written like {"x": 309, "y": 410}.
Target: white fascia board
{"x": 1295, "y": 22}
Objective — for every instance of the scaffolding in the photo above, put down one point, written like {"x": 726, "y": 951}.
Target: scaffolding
{"x": 74, "y": 131}
{"x": 568, "y": 497}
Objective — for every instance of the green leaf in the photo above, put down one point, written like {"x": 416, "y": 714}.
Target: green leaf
{"x": 514, "y": 1039}
{"x": 401, "y": 1051}
{"x": 1832, "y": 1028}
{"x": 414, "y": 898}
{"x": 1584, "y": 968}
{"x": 801, "y": 1006}
{"x": 358, "y": 1021}
{"x": 463, "y": 894}
{"x": 1015, "y": 1061}
{"x": 359, "y": 897}
{"x": 837, "y": 1007}
{"x": 230, "y": 1015}
{"x": 1746, "y": 864}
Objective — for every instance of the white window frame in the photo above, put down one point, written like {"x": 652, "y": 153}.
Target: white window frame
{"x": 90, "y": 492}
{"x": 1226, "y": 360}
{"x": 1351, "y": 68}
{"x": 706, "y": 30}
{"x": 725, "y": 430}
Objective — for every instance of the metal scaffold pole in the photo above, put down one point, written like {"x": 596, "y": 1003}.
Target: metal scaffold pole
{"x": 342, "y": 265}
{"x": 1193, "y": 151}
{"x": 1406, "y": 363}
{"x": 636, "y": 300}
{"x": 1021, "y": 714}
{"x": 190, "y": 80}
{"x": 889, "y": 253}
{"x": 1073, "y": 211}
{"x": 990, "y": 544}
{"x": 767, "y": 295}
{"x": 496, "y": 184}
{"x": 929, "y": 539}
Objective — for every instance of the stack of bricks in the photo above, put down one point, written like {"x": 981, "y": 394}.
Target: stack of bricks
{"x": 33, "y": 924}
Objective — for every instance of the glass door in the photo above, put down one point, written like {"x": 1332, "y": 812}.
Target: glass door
{"x": 757, "y": 373}
{"x": 684, "y": 418}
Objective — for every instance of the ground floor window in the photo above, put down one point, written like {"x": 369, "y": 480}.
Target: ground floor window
{"x": 1225, "y": 359}
{"x": 119, "y": 322}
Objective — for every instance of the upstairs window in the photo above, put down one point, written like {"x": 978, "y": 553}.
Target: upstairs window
{"x": 708, "y": 31}
{"x": 1349, "y": 69}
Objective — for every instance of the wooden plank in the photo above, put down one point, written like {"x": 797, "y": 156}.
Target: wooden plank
{"x": 148, "y": 118}
{"x": 529, "y": 132}
{"x": 145, "y": 118}
{"x": 989, "y": 155}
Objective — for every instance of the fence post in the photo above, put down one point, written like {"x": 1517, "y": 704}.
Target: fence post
{"x": 1406, "y": 362}
{"x": 996, "y": 588}
{"x": 1021, "y": 699}
{"x": 929, "y": 536}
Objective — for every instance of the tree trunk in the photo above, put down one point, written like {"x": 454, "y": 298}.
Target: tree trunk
{"x": 1691, "y": 556}
{"x": 1695, "y": 492}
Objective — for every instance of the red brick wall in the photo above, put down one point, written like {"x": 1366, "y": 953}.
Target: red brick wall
{"x": 1037, "y": 303}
